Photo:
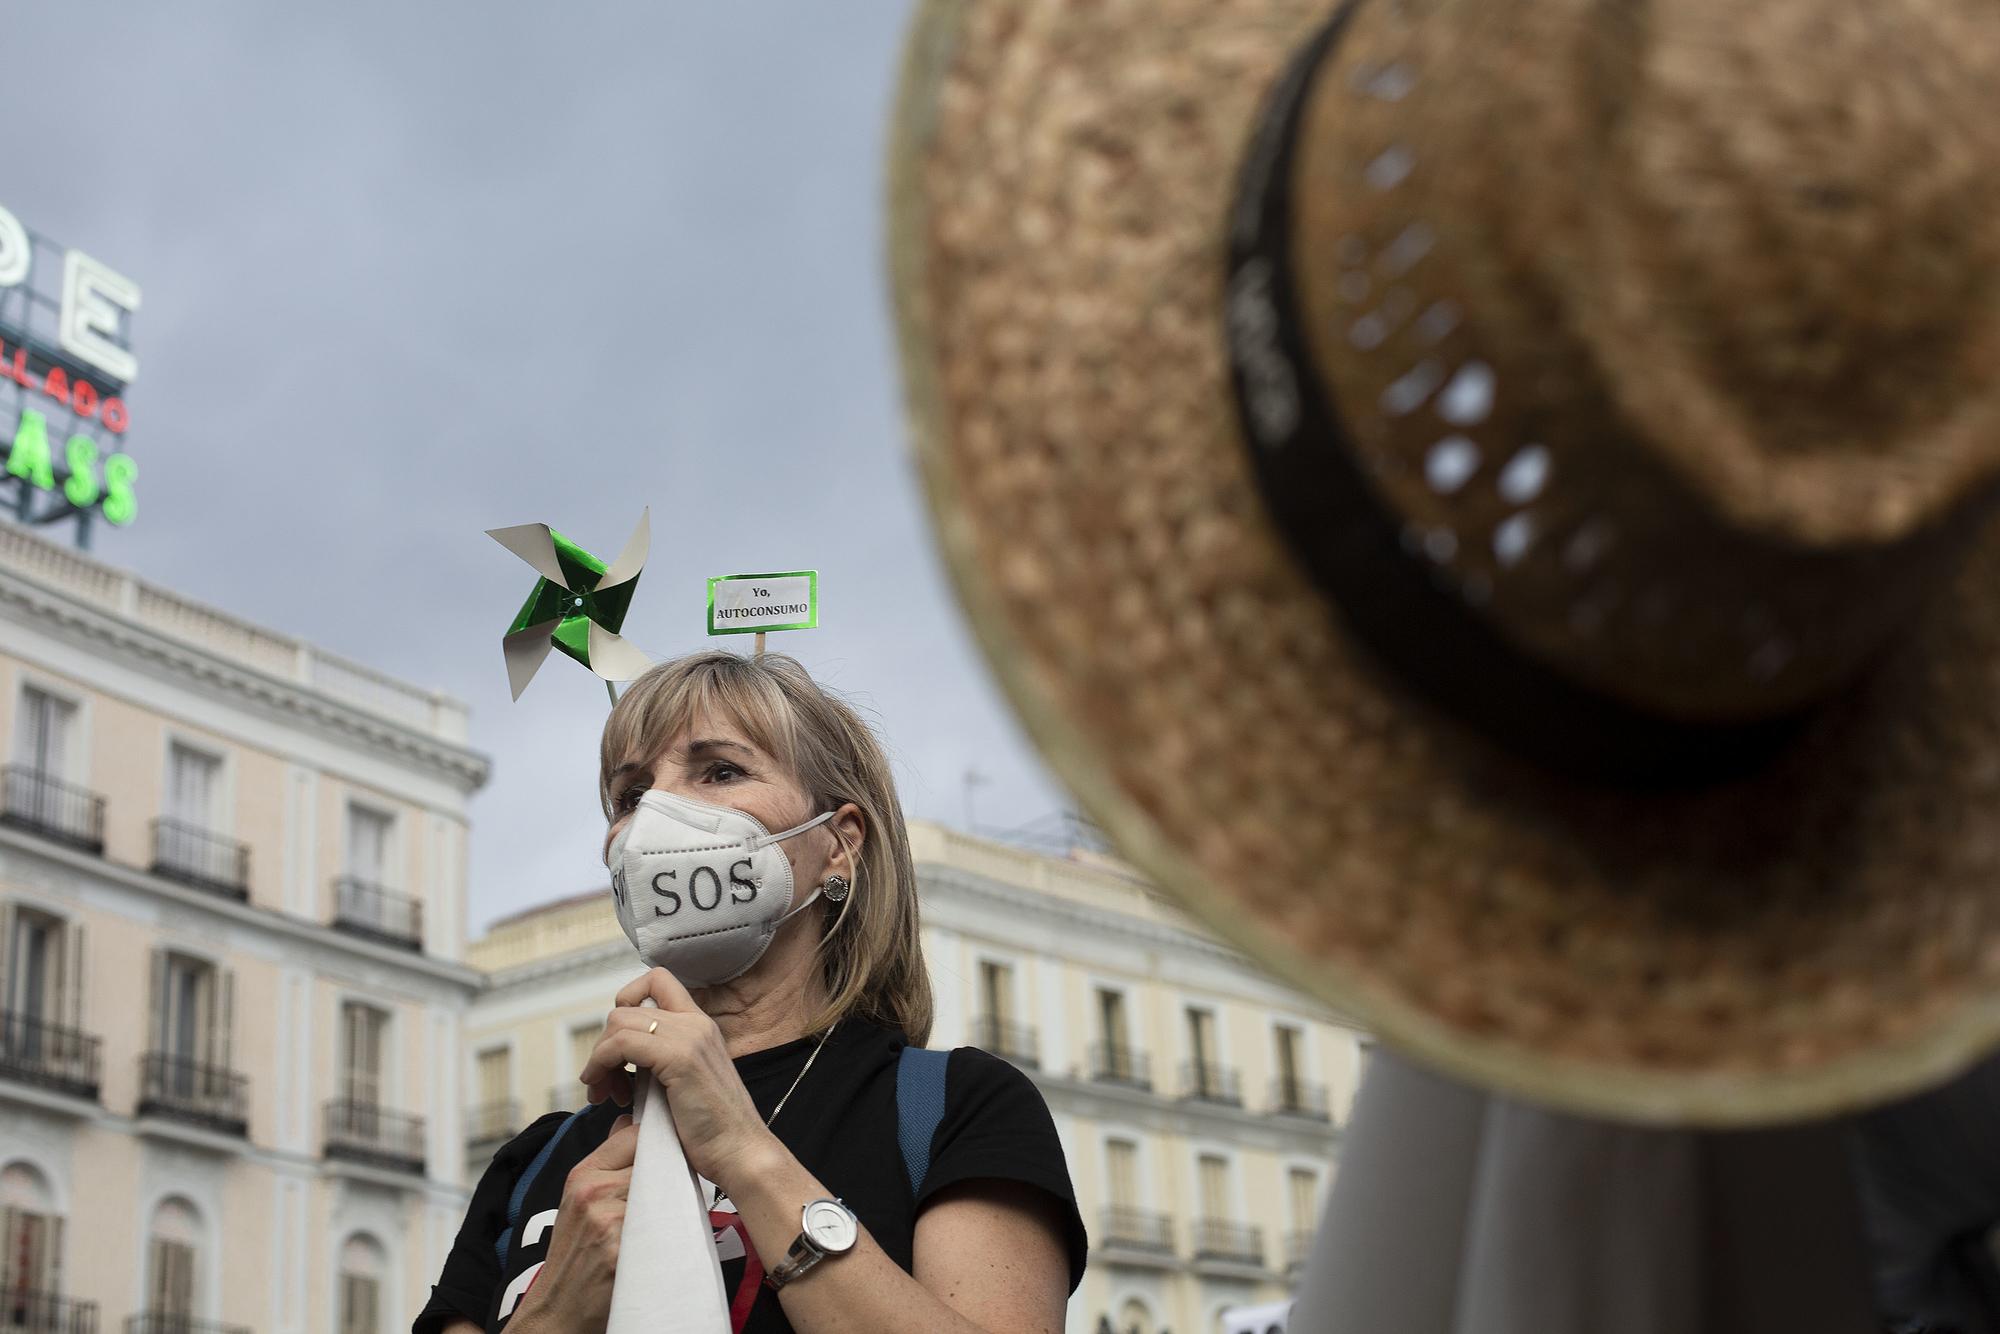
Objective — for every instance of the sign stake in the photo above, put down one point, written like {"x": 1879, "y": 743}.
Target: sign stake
{"x": 758, "y": 644}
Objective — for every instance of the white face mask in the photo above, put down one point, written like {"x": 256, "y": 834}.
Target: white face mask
{"x": 702, "y": 890}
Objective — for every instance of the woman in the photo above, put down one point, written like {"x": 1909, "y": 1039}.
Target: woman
{"x": 782, "y": 1077}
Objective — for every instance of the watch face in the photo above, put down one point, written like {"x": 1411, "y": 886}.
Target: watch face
{"x": 830, "y": 1226}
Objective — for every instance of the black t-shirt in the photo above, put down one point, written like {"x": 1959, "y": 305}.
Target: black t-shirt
{"x": 840, "y": 1124}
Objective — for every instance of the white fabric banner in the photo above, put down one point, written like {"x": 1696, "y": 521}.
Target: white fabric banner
{"x": 668, "y": 1281}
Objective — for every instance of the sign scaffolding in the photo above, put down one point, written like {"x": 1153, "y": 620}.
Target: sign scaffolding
{"x": 65, "y": 363}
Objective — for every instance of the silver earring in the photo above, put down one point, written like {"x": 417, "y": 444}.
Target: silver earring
{"x": 835, "y": 888}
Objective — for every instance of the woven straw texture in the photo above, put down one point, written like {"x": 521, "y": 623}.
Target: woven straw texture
{"x": 1822, "y": 936}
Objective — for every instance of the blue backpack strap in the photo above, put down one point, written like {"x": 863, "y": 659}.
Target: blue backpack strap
{"x": 520, "y": 1195}
{"x": 919, "y": 1108}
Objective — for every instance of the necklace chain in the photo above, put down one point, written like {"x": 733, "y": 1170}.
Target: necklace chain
{"x": 801, "y": 1077}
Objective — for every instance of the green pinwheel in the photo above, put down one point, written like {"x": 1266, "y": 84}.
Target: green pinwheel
{"x": 578, "y": 605}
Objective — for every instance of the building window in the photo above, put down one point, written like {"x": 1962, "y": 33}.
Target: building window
{"x": 38, "y": 784}
{"x": 186, "y": 1074}
{"x": 368, "y": 835}
{"x": 996, "y": 991}
{"x": 1206, "y": 1077}
{"x": 45, "y": 735}
{"x": 43, "y": 967}
{"x": 495, "y": 1117}
{"x": 996, "y": 1029}
{"x": 1112, "y": 1057}
{"x": 362, "y": 1262}
{"x": 362, "y": 1032}
{"x": 30, "y": 1246}
{"x": 193, "y": 1004}
{"x": 1134, "y": 1318}
{"x": 194, "y": 787}
{"x": 41, "y": 1002}
{"x": 1302, "y": 1197}
{"x": 1290, "y": 1050}
{"x": 1121, "y": 1165}
{"x": 173, "y": 1246}
{"x": 1212, "y": 1179}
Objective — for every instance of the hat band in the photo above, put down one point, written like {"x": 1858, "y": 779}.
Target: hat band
{"x": 1405, "y": 611}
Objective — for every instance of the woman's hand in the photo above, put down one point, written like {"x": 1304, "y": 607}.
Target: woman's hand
{"x": 573, "y": 1291}
{"x": 720, "y": 1130}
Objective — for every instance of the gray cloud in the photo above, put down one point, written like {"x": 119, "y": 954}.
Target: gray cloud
{"x": 417, "y": 270}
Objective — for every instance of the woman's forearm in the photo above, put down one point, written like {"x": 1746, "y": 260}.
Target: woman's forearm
{"x": 861, "y": 1292}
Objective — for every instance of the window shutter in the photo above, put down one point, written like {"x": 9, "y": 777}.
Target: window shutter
{"x": 223, "y": 1034}
{"x": 162, "y": 1024}
{"x": 71, "y": 1008}
{"x": 8, "y": 945}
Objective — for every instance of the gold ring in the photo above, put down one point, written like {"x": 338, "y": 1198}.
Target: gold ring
{"x": 653, "y": 1027}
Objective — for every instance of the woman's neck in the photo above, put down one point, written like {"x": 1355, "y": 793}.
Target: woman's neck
{"x": 769, "y": 1005}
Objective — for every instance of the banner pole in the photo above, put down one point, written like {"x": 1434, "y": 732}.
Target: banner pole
{"x": 759, "y": 643}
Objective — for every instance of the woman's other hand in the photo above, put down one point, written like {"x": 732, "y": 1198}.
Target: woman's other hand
{"x": 683, "y": 1050}
{"x": 572, "y": 1294}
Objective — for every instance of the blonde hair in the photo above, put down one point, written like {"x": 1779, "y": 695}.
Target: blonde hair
{"x": 871, "y": 959}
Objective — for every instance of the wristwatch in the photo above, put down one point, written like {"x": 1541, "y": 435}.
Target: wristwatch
{"x": 826, "y": 1227}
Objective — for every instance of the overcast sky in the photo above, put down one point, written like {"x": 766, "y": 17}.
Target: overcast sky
{"x": 416, "y": 270}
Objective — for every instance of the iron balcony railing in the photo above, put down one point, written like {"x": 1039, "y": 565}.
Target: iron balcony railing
{"x": 1297, "y": 1097}
{"x": 1116, "y": 1063}
{"x": 173, "y": 1322}
{"x": 1298, "y": 1247}
{"x": 1205, "y": 1081}
{"x": 34, "y": 1051}
{"x": 25, "y": 1311}
{"x": 1215, "y": 1239}
{"x": 366, "y": 909}
{"x": 1004, "y": 1037}
{"x": 33, "y": 800}
{"x": 194, "y": 856}
{"x": 180, "y": 1089}
{"x": 492, "y": 1123}
{"x": 1137, "y": 1229}
{"x": 362, "y": 1132}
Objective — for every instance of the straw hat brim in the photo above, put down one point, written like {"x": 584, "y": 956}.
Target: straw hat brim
{"x": 1822, "y": 935}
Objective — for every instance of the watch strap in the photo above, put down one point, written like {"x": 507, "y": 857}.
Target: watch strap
{"x": 802, "y": 1257}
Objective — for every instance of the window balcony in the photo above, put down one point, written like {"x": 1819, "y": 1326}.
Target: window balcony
{"x": 173, "y": 1322}
{"x": 1116, "y": 1063}
{"x": 1296, "y": 1097}
{"x": 364, "y": 909}
{"x": 361, "y": 1132}
{"x": 1233, "y": 1243}
{"x": 1137, "y": 1230}
{"x": 208, "y": 1096}
{"x": 1204, "y": 1081}
{"x": 62, "y": 1060}
{"x": 491, "y": 1124}
{"x": 25, "y": 1311}
{"x": 1004, "y": 1037}
{"x": 194, "y": 856}
{"x": 1298, "y": 1249}
{"x": 42, "y": 804}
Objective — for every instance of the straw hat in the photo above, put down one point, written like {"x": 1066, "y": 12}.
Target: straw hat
{"x": 1490, "y": 503}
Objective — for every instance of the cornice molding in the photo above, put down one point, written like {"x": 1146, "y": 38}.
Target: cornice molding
{"x": 1070, "y": 916}
{"x": 461, "y": 978}
{"x": 267, "y": 695}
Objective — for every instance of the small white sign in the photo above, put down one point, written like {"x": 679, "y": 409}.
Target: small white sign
{"x": 742, "y": 604}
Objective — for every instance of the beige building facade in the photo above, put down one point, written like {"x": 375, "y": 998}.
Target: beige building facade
{"x": 1199, "y": 1102}
{"x": 232, "y": 895}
